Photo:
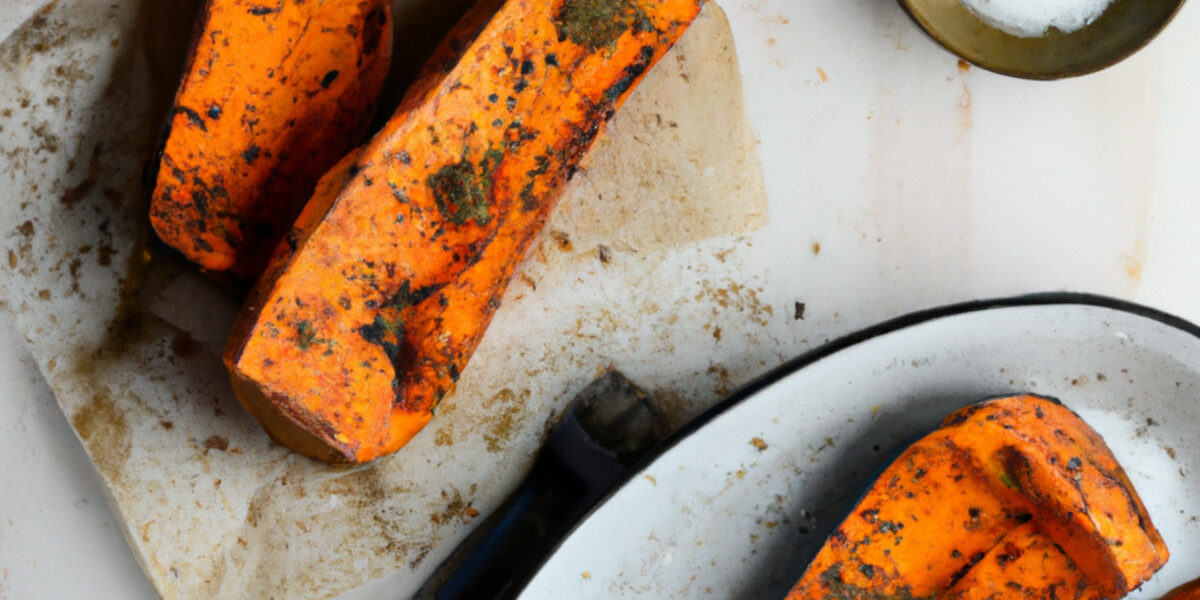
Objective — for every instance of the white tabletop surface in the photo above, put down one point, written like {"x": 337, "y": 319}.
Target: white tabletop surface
{"x": 924, "y": 184}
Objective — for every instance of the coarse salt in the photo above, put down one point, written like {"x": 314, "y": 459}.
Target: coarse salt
{"x": 1034, "y": 18}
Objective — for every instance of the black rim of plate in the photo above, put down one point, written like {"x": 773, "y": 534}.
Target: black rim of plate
{"x": 810, "y": 357}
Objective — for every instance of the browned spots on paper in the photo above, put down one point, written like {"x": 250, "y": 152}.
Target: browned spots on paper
{"x": 101, "y": 425}
{"x": 679, "y": 162}
{"x": 758, "y": 443}
{"x": 733, "y": 296}
{"x": 562, "y": 240}
{"x": 216, "y": 442}
{"x": 144, "y": 531}
{"x": 453, "y": 509}
{"x": 821, "y": 73}
{"x": 963, "y": 66}
{"x": 723, "y": 383}
{"x": 505, "y": 410}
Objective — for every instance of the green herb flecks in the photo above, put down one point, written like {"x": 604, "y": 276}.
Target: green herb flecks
{"x": 837, "y": 589}
{"x": 306, "y": 337}
{"x": 462, "y": 190}
{"x": 598, "y": 23}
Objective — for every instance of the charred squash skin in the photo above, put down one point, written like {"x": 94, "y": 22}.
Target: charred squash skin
{"x": 273, "y": 95}
{"x": 368, "y": 315}
{"x": 1187, "y": 591}
{"x": 1012, "y": 498}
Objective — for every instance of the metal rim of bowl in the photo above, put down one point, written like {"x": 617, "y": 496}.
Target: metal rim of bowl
{"x": 1125, "y": 27}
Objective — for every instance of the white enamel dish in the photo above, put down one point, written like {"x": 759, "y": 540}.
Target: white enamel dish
{"x": 716, "y": 515}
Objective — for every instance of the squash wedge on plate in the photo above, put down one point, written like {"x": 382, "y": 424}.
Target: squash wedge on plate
{"x": 1187, "y": 591}
{"x": 1011, "y": 498}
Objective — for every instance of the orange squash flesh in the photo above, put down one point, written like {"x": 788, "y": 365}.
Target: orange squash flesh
{"x": 368, "y": 315}
{"x": 1025, "y": 564}
{"x": 1187, "y": 591}
{"x": 273, "y": 95}
{"x": 1011, "y": 498}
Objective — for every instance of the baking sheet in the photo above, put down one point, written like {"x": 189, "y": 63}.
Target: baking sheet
{"x": 129, "y": 340}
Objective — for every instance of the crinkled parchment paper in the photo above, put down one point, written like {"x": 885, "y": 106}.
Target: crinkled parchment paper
{"x": 636, "y": 270}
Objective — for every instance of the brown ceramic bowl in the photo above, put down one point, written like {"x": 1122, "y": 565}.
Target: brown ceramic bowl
{"x": 1123, "y": 29}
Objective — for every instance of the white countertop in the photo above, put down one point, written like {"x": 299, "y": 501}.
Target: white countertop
{"x": 923, "y": 184}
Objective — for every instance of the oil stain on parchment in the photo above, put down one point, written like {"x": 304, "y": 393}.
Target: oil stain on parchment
{"x": 102, "y": 426}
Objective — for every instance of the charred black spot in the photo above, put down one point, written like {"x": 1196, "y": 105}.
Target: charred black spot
{"x": 250, "y": 154}
{"x": 193, "y": 117}
{"x": 372, "y": 33}
{"x": 631, "y": 75}
{"x": 406, "y": 296}
{"x": 962, "y": 572}
{"x": 1009, "y": 554}
{"x": 259, "y": 11}
{"x": 328, "y": 79}
{"x": 387, "y": 334}
{"x": 200, "y": 201}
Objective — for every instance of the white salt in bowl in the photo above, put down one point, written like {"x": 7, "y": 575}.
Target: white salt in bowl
{"x": 1043, "y": 39}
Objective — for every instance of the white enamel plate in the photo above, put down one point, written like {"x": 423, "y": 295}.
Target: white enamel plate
{"x": 739, "y": 503}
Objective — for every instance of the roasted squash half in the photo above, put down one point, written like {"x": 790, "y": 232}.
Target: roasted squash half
{"x": 1011, "y": 498}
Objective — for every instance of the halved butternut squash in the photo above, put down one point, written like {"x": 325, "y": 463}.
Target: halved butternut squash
{"x": 1011, "y": 498}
